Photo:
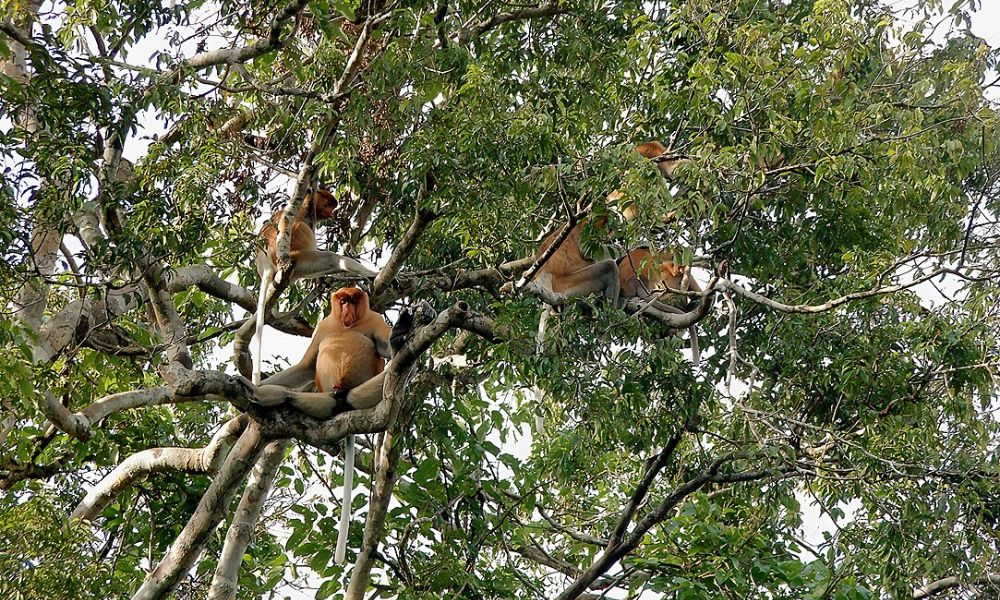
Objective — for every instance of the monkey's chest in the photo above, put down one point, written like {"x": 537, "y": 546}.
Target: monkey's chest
{"x": 345, "y": 361}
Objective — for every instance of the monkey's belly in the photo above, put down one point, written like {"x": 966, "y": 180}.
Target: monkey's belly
{"x": 345, "y": 361}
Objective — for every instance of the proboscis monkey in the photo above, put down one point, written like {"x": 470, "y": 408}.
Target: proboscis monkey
{"x": 347, "y": 350}
{"x": 570, "y": 273}
{"x": 666, "y": 161}
{"x": 309, "y": 260}
{"x": 645, "y": 274}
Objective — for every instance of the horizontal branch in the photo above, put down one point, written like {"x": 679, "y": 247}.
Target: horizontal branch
{"x": 489, "y": 278}
{"x": 158, "y": 460}
{"x": 725, "y": 284}
{"x": 948, "y": 583}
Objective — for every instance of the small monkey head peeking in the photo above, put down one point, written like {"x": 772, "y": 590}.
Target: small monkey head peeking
{"x": 323, "y": 205}
{"x": 349, "y": 305}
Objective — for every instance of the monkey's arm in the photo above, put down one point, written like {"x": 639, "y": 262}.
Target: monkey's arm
{"x": 380, "y": 336}
{"x": 369, "y": 393}
{"x": 305, "y": 371}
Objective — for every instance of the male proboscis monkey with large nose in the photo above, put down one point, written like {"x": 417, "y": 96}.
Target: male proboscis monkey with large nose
{"x": 348, "y": 349}
{"x": 308, "y": 259}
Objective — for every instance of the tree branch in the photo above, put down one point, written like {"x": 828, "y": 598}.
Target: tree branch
{"x": 421, "y": 219}
{"x": 225, "y": 582}
{"x": 471, "y": 33}
{"x": 211, "y": 510}
{"x": 948, "y": 583}
{"x": 158, "y": 460}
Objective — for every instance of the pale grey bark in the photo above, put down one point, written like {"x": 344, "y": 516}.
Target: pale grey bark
{"x": 225, "y": 581}
{"x": 212, "y": 509}
{"x": 31, "y": 299}
{"x": 386, "y": 474}
{"x": 949, "y": 583}
{"x": 158, "y": 460}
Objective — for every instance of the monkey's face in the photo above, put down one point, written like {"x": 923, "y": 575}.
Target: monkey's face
{"x": 349, "y": 304}
{"x": 325, "y": 205}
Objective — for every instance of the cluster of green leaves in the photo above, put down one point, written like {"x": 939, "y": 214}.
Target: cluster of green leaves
{"x": 828, "y": 141}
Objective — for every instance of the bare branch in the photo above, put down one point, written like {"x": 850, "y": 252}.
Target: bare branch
{"x": 948, "y": 583}
{"x": 211, "y": 510}
{"x": 726, "y": 284}
{"x": 158, "y": 460}
{"x": 421, "y": 219}
{"x": 471, "y": 33}
{"x": 386, "y": 466}
{"x": 225, "y": 581}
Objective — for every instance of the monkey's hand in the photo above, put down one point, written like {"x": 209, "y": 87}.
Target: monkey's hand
{"x": 409, "y": 318}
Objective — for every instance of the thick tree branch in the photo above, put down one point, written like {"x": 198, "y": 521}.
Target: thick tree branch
{"x": 949, "y": 583}
{"x": 226, "y": 582}
{"x": 211, "y": 510}
{"x": 386, "y": 474}
{"x": 158, "y": 460}
{"x": 421, "y": 219}
{"x": 211, "y": 58}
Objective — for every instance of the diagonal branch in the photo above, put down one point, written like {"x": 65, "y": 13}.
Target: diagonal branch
{"x": 613, "y": 554}
{"x": 158, "y": 460}
{"x": 421, "y": 219}
{"x": 225, "y": 581}
{"x": 212, "y": 508}
{"x": 654, "y": 468}
{"x": 470, "y": 33}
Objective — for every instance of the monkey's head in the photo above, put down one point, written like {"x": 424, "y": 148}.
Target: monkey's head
{"x": 324, "y": 204}
{"x": 349, "y": 305}
{"x": 651, "y": 149}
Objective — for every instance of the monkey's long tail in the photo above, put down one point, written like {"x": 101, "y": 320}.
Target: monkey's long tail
{"x": 695, "y": 350}
{"x": 345, "y": 507}
{"x": 543, "y": 321}
{"x": 265, "y": 283}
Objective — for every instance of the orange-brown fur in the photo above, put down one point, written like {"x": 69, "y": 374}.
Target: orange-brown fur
{"x": 654, "y": 149}
{"x": 309, "y": 260}
{"x": 347, "y": 355}
{"x": 569, "y": 272}
{"x": 317, "y": 207}
{"x": 642, "y": 272}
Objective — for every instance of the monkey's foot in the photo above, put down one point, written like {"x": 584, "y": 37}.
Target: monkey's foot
{"x": 340, "y": 403}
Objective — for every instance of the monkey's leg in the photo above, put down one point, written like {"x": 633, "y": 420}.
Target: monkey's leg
{"x": 316, "y": 263}
{"x": 293, "y": 377}
{"x": 601, "y": 277}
